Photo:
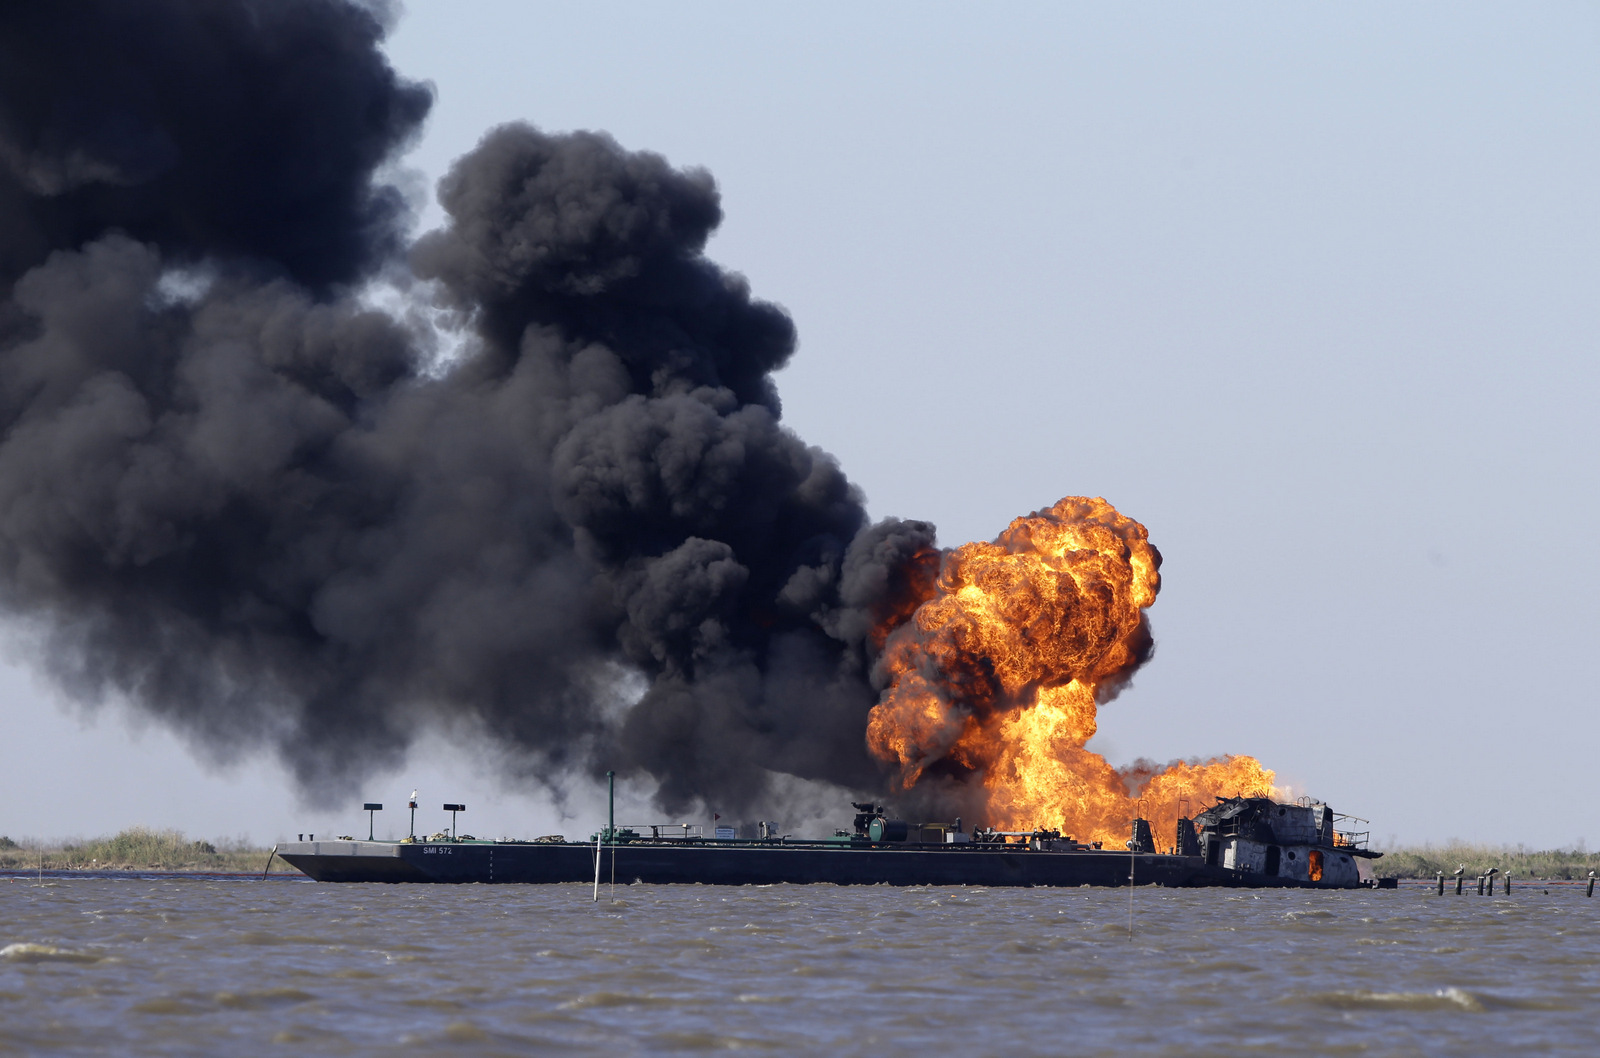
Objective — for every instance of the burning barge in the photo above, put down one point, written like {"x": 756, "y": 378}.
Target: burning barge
{"x": 1240, "y": 842}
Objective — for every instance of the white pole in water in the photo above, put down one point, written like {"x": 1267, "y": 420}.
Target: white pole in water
{"x": 268, "y": 867}
{"x": 1132, "y": 852}
{"x": 611, "y": 827}
{"x": 597, "y": 868}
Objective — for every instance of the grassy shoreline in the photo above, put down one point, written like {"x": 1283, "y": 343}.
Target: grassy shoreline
{"x": 139, "y": 849}
{"x": 1540, "y": 864}
{"x": 143, "y": 849}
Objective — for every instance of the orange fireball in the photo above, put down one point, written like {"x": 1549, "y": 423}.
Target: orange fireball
{"x": 994, "y": 679}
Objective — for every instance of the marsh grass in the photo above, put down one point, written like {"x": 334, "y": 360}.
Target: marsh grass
{"x": 1426, "y": 860}
{"x": 137, "y": 848}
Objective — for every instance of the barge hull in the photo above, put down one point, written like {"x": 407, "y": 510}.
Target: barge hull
{"x": 754, "y": 864}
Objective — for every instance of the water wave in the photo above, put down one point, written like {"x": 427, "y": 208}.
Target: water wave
{"x": 25, "y": 952}
{"x": 863, "y": 973}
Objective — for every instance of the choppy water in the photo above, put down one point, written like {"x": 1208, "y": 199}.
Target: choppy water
{"x": 219, "y": 967}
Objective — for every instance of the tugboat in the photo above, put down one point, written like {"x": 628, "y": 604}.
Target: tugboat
{"x": 1239, "y": 842}
{"x": 1256, "y": 836}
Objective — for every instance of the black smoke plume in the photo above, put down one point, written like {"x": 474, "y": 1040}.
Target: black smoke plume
{"x": 237, "y": 496}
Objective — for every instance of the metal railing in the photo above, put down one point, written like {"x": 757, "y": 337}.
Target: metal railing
{"x": 1350, "y": 839}
{"x": 660, "y": 832}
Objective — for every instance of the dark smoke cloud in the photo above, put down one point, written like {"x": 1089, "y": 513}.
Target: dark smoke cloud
{"x": 243, "y": 129}
{"x": 253, "y": 507}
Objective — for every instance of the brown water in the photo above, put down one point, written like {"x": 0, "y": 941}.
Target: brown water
{"x": 218, "y": 967}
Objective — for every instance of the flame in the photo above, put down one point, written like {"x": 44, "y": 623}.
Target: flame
{"x": 994, "y": 679}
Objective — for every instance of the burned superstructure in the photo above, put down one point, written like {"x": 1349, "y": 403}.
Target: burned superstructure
{"x": 1295, "y": 842}
{"x": 1244, "y": 842}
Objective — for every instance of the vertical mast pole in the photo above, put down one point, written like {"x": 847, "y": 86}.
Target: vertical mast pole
{"x": 611, "y": 823}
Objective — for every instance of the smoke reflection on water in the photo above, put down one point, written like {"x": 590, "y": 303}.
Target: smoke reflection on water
{"x": 183, "y": 966}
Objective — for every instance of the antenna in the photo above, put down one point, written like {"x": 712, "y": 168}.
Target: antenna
{"x": 369, "y": 808}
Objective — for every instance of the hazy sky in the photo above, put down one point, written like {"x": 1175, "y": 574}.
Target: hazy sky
{"x": 1310, "y": 292}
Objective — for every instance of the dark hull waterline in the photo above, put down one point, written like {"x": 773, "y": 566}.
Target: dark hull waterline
{"x": 757, "y": 863}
